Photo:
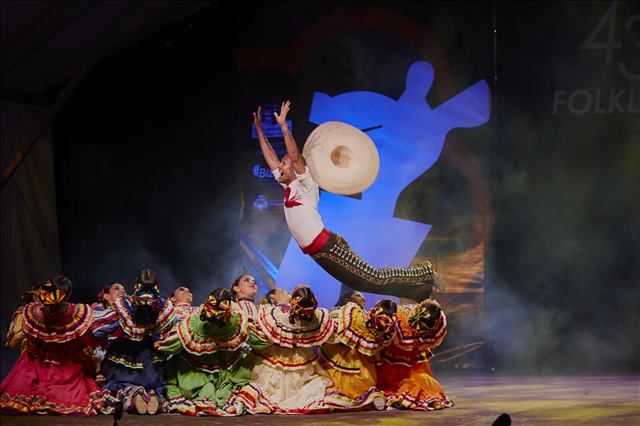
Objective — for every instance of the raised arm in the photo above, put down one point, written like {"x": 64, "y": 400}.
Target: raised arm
{"x": 292, "y": 149}
{"x": 269, "y": 154}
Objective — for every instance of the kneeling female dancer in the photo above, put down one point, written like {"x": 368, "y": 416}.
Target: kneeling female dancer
{"x": 351, "y": 361}
{"x": 287, "y": 378}
{"x": 405, "y": 372}
{"x": 54, "y": 374}
{"x": 208, "y": 361}
{"x": 132, "y": 367}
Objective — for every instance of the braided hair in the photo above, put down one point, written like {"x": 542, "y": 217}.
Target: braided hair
{"x": 303, "y": 305}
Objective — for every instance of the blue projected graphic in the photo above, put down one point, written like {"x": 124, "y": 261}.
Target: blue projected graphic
{"x": 409, "y": 135}
{"x": 262, "y": 172}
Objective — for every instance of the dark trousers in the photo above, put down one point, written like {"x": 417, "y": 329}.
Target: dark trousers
{"x": 337, "y": 258}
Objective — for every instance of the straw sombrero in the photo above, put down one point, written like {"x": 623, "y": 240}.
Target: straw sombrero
{"x": 341, "y": 158}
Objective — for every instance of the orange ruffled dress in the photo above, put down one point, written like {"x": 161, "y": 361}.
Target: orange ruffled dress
{"x": 351, "y": 361}
{"x": 287, "y": 378}
{"x": 405, "y": 373}
{"x": 54, "y": 372}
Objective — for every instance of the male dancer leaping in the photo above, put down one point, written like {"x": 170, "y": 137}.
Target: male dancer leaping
{"x": 328, "y": 249}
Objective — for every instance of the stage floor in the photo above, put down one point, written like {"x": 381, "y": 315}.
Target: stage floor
{"x": 550, "y": 400}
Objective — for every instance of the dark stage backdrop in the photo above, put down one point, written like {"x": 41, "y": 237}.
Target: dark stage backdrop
{"x": 513, "y": 153}
{"x": 563, "y": 286}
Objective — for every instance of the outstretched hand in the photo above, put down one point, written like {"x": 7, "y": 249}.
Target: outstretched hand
{"x": 257, "y": 118}
{"x": 284, "y": 110}
{"x": 267, "y": 150}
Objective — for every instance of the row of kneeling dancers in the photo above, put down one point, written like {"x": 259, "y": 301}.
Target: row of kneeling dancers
{"x": 146, "y": 354}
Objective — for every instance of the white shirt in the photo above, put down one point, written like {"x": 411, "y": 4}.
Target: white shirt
{"x": 301, "y": 207}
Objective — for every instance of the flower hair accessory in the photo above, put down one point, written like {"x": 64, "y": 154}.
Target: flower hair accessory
{"x": 139, "y": 287}
{"x": 380, "y": 321}
{"x": 300, "y": 312}
{"x": 50, "y": 296}
{"x": 146, "y": 296}
{"x": 214, "y": 309}
{"x": 421, "y": 318}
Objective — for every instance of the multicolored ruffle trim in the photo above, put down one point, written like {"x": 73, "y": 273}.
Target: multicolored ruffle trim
{"x": 17, "y": 403}
{"x": 339, "y": 401}
{"x": 249, "y": 308}
{"x": 199, "y": 338}
{"x": 184, "y": 310}
{"x": 353, "y": 332}
{"x": 59, "y": 328}
{"x": 274, "y": 322}
{"x": 404, "y": 401}
{"x": 135, "y": 331}
{"x": 198, "y": 407}
{"x": 408, "y": 338}
{"x": 250, "y": 399}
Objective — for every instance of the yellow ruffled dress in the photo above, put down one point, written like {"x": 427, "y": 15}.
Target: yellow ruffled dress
{"x": 351, "y": 360}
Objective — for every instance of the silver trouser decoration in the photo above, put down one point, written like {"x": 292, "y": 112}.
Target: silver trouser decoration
{"x": 337, "y": 259}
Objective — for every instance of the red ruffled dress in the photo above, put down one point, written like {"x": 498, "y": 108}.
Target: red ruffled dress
{"x": 54, "y": 373}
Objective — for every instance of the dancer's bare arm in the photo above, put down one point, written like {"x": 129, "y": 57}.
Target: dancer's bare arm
{"x": 292, "y": 149}
{"x": 269, "y": 154}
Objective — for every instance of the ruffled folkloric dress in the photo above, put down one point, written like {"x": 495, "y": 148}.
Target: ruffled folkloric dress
{"x": 287, "y": 377}
{"x": 54, "y": 372}
{"x": 131, "y": 364}
{"x": 249, "y": 308}
{"x": 351, "y": 361}
{"x": 185, "y": 310}
{"x": 405, "y": 373}
{"x": 101, "y": 315}
{"x": 208, "y": 363}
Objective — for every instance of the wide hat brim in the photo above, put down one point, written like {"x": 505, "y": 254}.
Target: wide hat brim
{"x": 341, "y": 158}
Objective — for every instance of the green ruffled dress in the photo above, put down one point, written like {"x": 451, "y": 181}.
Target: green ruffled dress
{"x": 208, "y": 363}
